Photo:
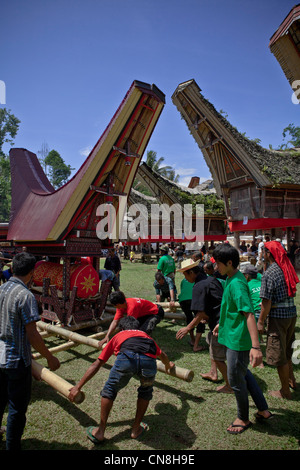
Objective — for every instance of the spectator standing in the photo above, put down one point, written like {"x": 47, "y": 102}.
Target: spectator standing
{"x": 185, "y": 301}
{"x": 193, "y": 273}
{"x": 166, "y": 263}
{"x": 278, "y": 289}
{"x": 237, "y": 330}
{"x": 19, "y": 313}
{"x": 113, "y": 263}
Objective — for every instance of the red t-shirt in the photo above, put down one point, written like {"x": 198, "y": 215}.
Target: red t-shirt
{"x": 115, "y": 344}
{"x": 136, "y": 308}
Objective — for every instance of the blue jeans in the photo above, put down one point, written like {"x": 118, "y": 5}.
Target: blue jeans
{"x": 128, "y": 364}
{"x": 242, "y": 381}
{"x": 15, "y": 390}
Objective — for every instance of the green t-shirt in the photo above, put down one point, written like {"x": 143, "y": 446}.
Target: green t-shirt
{"x": 166, "y": 265}
{"x": 254, "y": 288}
{"x": 233, "y": 330}
{"x": 186, "y": 290}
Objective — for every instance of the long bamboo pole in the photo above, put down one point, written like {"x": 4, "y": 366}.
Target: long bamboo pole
{"x": 76, "y": 337}
{"x": 180, "y": 373}
{"x": 69, "y": 345}
{"x": 59, "y": 384}
{"x": 168, "y": 314}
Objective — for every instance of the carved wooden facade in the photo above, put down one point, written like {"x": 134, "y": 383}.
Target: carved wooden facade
{"x": 285, "y": 45}
{"x": 260, "y": 187}
{"x": 62, "y": 223}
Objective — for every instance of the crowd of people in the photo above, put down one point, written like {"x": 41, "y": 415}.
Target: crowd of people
{"x": 237, "y": 302}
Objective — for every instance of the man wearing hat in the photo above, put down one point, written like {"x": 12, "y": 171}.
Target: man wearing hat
{"x": 260, "y": 259}
{"x": 166, "y": 263}
{"x": 206, "y": 303}
{"x": 193, "y": 273}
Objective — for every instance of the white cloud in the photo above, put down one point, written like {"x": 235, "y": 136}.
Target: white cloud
{"x": 185, "y": 171}
{"x": 85, "y": 151}
{"x": 184, "y": 181}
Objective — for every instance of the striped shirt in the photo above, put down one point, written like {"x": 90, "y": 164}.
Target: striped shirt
{"x": 274, "y": 288}
{"x": 18, "y": 307}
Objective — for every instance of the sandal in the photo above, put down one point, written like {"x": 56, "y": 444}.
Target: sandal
{"x": 91, "y": 437}
{"x": 244, "y": 428}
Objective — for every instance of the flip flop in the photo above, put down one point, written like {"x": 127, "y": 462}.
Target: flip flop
{"x": 145, "y": 428}
{"x": 260, "y": 417}
{"x": 92, "y": 438}
{"x": 244, "y": 428}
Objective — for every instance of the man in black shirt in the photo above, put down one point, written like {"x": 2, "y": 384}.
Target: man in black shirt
{"x": 206, "y": 302}
{"x": 193, "y": 272}
{"x": 113, "y": 263}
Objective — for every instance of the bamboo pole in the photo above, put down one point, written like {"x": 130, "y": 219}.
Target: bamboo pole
{"x": 59, "y": 384}
{"x": 69, "y": 345}
{"x": 180, "y": 373}
{"x": 168, "y": 314}
{"x": 76, "y": 337}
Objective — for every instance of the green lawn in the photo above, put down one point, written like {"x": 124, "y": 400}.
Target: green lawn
{"x": 182, "y": 416}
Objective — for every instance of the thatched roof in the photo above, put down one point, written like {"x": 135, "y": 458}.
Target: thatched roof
{"x": 220, "y": 141}
{"x": 285, "y": 45}
{"x": 168, "y": 191}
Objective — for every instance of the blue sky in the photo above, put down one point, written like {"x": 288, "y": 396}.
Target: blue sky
{"x": 67, "y": 65}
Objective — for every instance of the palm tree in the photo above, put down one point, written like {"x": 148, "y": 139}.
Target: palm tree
{"x": 154, "y": 164}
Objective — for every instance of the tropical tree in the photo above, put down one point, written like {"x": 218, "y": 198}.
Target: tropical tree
{"x": 58, "y": 171}
{"x": 294, "y": 134}
{"x": 155, "y": 164}
{"x": 9, "y": 126}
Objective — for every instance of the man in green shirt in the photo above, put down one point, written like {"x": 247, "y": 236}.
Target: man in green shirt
{"x": 166, "y": 263}
{"x": 254, "y": 284}
{"x": 237, "y": 330}
{"x": 185, "y": 301}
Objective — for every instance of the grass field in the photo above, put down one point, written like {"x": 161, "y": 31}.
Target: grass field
{"x": 182, "y": 416}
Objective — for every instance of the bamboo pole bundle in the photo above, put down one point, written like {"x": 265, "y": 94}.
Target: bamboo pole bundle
{"x": 59, "y": 384}
{"x": 69, "y": 345}
{"x": 180, "y": 373}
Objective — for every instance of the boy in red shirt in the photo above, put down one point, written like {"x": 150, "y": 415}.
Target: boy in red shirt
{"x": 147, "y": 313}
{"x": 136, "y": 355}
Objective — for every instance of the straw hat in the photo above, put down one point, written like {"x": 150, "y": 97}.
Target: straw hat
{"x": 164, "y": 248}
{"x": 188, "y": 264}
